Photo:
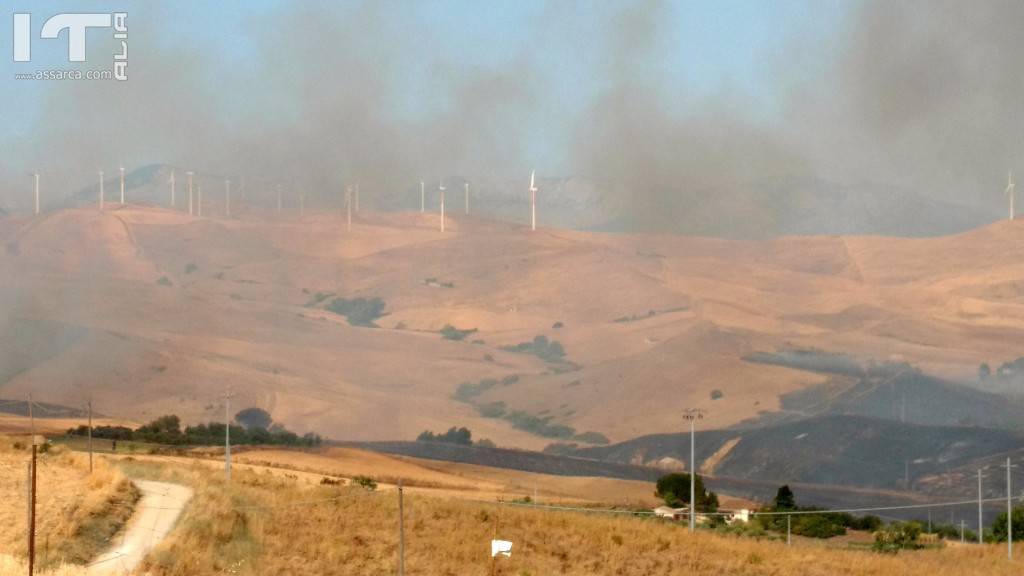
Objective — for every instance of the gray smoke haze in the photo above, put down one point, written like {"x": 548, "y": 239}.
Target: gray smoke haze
{"x": 919, "y": 96}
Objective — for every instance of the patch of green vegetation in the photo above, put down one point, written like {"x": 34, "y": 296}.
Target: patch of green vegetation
{"x": 164, "y": 281}
{"x": 541, "y": 347}
{"x": 450, "y": 332}
{"x": 592, "y": 438}
{"x": 318, "y": 298}
{"x": 358, "y": 311}
{"x": 540, "y": 426}
{"x": 492, "y": 409}
{"x": 365, "y": 482}
{"x": 191, "y": 267}
{"x": 461, "y": 436}
{"x": 437, "y": 283}
{"x": 716, "y": 394}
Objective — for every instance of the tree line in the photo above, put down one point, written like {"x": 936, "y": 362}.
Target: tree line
{"x": 252, "y": 426}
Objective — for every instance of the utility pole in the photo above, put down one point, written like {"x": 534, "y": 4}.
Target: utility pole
{"x": 401, "y": 531}
{"x": 227, "y": 434}
{"x": 32, "y": 515}
{"x": 90, "y": 436}
{"x": 423, "y": 198}
{"x": 199, "y": 200}
{"x": 693, "y": 414}
{"x": 980, "y": 524}
{"x": 101, "y": 190}
{"x": 31, "y": 418}
{"x": 35, "y": 190}
{"x": 122, "y": 184}
{"x": 278, "y": 198}
{"x": 961, "y": 530}
{"x": 1009, "y": 511}
{"x": 172, "y": 189}
{"x": 789, "y": 530}
{"x": 467, "y": 198}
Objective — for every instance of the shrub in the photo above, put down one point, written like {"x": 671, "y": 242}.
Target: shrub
{"x": 716, "y": 394}
{"x": 358, "y": 311}
{"x": 450, "y": 332}
{"x": 254, "y": 418}
{"x": 365, "y": 482}
{"x": 541, "y": 347}
{"x": 191, "y": 267}
{"x": 898, "y": 536}
{"x": 164, "y": 281}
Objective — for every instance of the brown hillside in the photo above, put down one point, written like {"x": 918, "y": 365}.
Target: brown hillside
{"x": 232, "y": 311}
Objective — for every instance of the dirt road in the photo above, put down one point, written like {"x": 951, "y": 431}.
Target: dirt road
{"x": 155, "y": 514}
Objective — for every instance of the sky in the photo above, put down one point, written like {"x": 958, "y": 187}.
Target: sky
{"x": 663, "y": 100}
{"x": 706, "y": 47}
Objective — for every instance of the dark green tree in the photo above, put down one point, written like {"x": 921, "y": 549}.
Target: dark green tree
{"x": 999, "y": 528}
{"x": 674, "y": 489}
{"x": 254, "y": 418}
{"x": 784, "y": 499}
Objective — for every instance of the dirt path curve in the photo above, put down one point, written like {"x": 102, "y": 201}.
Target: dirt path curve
{"x": 155, "y": 514}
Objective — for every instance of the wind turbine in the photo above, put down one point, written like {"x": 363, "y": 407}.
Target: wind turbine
{"x": 348, "y": 206}
{"x": 35, "y": 190}
{"x": 190, "y": 174}
{"x": 172, "y": 188}
{"x": 1010, "y": 193}
{"x": 122, "y": 184}
{"x": 533, "y": 202}
{"x": 441, "y": 188}
{"x": 101, "y": 190}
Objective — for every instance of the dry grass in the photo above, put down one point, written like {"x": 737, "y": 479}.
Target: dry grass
{"x": 76, "y": 513}
{"x": 351, "y": 531}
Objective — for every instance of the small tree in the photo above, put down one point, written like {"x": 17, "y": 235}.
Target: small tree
{"x": 984, "y": 372}
{"x": 674, "y": 489}
{"x": 253, "y": 418}
{"x": 999, "y": 528}
{"x": 784, "y": 498}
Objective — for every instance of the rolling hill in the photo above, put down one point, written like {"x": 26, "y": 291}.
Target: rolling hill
{"x": 149, "y": 311}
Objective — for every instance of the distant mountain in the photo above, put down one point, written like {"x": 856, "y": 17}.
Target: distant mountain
{"x": 835, "y": 449}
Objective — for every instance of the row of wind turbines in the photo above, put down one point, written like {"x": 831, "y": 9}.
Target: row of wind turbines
{"x": 195, "y": 201}
{"x": 441, "y": 190}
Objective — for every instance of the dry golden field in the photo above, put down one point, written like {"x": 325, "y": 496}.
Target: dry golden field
{"x": 265, "y": 524}
{"x": 76, "y": 513}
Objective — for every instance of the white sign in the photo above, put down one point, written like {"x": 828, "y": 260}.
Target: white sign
{"x": 503, "y": 547}
{"x": 76, "y": 25}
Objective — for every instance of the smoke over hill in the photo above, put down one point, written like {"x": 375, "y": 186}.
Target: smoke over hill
{"x": 919, "y": 97}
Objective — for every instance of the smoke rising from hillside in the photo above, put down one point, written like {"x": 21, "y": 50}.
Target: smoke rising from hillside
{"x": 923, "y": 95}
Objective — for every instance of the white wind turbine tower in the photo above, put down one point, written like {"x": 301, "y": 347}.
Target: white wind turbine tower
{"x": 533, "y": 202}
{"x": 441, "y": 188}
{"x": 227, "y": 198}
{"x": 348, "y": 206}
{"x": 1010, "y": 192}
{"x": 172, "y": 188}
{"x": 101, "y": 189}
{"x": 122, "y": 184}
{"x": 190, "y": 174}
{"x": 423, "y": 198}
{"x": 467, "y": 197}
{"x": 35, "y": 190}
